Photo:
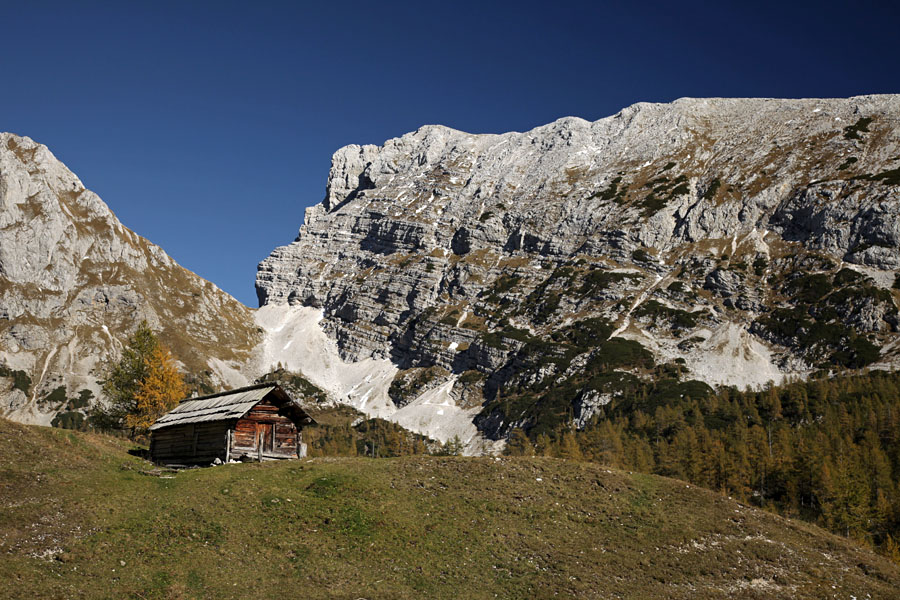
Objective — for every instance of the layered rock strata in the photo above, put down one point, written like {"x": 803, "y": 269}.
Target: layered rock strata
{"x": 736, "y": 241}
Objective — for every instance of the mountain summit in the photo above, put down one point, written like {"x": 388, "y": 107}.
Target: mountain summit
{"x": 523, "y": 277}
{"x": 75, "y": 282}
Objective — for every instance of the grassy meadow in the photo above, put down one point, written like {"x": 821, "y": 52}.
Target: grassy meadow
{"x": 82, "y": 516}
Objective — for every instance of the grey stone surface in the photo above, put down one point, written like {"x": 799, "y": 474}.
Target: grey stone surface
{"x": 74, "y": 283}
{"x": 683, "y": 225}
{"x": 406, "y": 252}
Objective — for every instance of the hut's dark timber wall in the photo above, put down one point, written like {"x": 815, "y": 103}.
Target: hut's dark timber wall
{"x": 253, "y": 423}
{"x": 195, "y": 443}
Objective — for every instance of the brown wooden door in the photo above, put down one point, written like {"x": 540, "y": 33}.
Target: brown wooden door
{"x": 264, "y": 437}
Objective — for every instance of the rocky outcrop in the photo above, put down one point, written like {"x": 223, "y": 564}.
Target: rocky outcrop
{"x": 684, "y": 227}
{"x": 74, "y": 283}
{"x": 855, "y": 219}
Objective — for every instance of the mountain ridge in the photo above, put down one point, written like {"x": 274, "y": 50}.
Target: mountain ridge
{"x": 415, "y": 254}
{"x": 75, "y": 282}
{"x": 451, "y": 281}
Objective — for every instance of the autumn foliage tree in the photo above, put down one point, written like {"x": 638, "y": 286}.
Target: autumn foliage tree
{"x": 158, "y": 392}
{"x": 826, "y": 449}
{"x": 141, "y": 386}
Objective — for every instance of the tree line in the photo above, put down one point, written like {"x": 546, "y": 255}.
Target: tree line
{"x": 826, "y": 450}
{"x": 375, "y": 438}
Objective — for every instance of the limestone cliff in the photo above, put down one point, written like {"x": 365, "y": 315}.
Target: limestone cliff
{"x": 463, "y": 284}
{"x": 730, "y": 241}
{"x": 74, "y": 283}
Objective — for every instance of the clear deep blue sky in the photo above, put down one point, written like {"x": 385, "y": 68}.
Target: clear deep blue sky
{"x": 209, "y": 127}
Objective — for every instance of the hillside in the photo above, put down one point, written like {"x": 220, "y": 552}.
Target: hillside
{"x": 735, "y": 241}
{"x": 83, "y": 518}
{"x": 75, "y": 283}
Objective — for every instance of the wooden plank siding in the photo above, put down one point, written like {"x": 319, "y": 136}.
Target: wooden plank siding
{"x": 261, "y": 428}
{"x": 244, "y": 435}
{"x": 264, "y": 433}
{"x": 194, "y": 443}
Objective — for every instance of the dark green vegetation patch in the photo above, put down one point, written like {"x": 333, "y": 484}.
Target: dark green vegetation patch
{"x": 82, "y": 401}
{"x": 502, "y": 285}
{"x": 851, "y": 132}
{"x": 847, "y": 163}
{"x": 21, "y": 380}
{"x": 410, "y": 383}
{"x": 69, "y": 420}
{"x": 531, "y": 391}
{"x": 641, "y": 255}
{"x": 891, "y": 177}
{"x": 711, "y": 189}
{"x": 663, "y": 190}
{"x": 597, "y": 280}
{"x": 817, "y": 324}
{"x": 299, "y": 386}
{"x": 612, "y": 191}
{"x": 659, "y": 313}
{"x": 56, "y": 397}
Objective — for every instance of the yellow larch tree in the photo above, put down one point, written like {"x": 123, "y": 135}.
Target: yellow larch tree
{"x": 158, "y": 392}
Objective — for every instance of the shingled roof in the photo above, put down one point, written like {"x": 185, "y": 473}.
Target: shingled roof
{"x": 225, "y": 406}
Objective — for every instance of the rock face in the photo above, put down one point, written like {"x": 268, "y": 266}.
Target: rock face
{"x": 74, "y": 284}
{"x": 731, "y": 241}
{"x": 462, "y": 285}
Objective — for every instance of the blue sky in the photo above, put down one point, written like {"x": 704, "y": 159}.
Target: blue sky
{"x": 208, "y": 127}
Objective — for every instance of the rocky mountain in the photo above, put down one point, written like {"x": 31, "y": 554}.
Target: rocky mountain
{"x": 74, "y": 284}
{"x": 462, "y": 285}
{"x": 528, "y": 279}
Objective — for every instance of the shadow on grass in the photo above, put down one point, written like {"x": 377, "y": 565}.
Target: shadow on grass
{"x": 140, "y": 452}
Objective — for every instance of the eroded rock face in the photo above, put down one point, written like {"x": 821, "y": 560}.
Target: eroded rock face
{"x": 74, "y": 283}
{"x": 517, "y": 280}
{"x": 683, "y": 226}
{"x": 851, "y": 219}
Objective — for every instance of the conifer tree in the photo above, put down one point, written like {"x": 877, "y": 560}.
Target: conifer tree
{"x": 123, "y": 382}
{"x": 453, "y": 447}
{"x": 519, "y": 444}
{"x": 825, "y": 449}
{"x": 891, "y": 549}
{"x": 609, "y": 450}
{"x": 543, "y": 445}
{"x": 569, "y": 448}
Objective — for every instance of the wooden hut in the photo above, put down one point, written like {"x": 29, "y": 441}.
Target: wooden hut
{"x": 260, "y": 422}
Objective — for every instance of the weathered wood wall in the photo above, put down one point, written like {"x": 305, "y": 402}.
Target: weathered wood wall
{"x": 193, "y": 443}
{"x": 263, "y": 433}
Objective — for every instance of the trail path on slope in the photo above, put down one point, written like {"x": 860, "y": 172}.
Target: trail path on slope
{"x": 37, "y": 384}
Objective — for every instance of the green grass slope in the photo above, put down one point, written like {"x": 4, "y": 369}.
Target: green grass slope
{"x": 81, "y": 518}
